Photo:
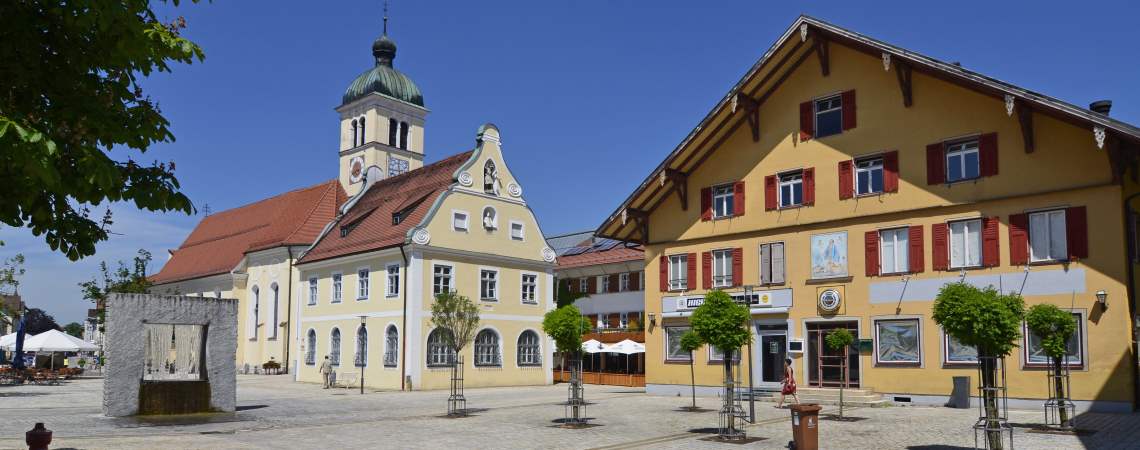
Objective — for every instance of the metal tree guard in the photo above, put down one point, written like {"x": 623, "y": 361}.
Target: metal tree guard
{"x": 731, "y": 415}
{"x": 575, "y": 395}
{"x": 1060, "y": 412}
{"x": 456, "y": 402}
{"x": 998, "y": 426}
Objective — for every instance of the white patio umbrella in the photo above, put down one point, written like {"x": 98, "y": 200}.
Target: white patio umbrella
{"x": 6, "y": 340}
{"x": 56, "y": 341}
{"x": 626, "y": 347}
{"x": 593, "y": 346}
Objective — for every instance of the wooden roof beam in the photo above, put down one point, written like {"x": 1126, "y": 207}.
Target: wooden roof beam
{"x": 903, "y": 71}
{"x": 751, "y": 111}
{"x": 824, "y": 54}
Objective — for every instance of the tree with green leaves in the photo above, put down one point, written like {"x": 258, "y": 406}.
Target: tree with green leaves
{"x": 565, "y": 326}
{"x": 990, "y": 322}
{"x": 74, "y": 329}
{"x": 11, "y": 270}
{"x": 458, "y": 316}
{"x": 127, "y": 278}
{"x": 723, "y": 323}
{"x": 37, "y": 321}
{"x": 690, "y": 342}
{"x": 1054, "y": 327}
{"x": 840, "y": 339}
{"x": 566, "y": 296}
{"x": 72, "y": 94}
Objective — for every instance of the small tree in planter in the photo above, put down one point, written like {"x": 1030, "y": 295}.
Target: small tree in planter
{"x": 460, "y": 317}
{"x": 990, "y": 322}
{"x": 1054, "y": 327}
{"x": 840, "y": 338}
{"x": 690, "y": 342}
{"x": 723, "y": 323}
{"x": 566, "y": 326}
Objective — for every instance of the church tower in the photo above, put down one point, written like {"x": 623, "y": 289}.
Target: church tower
{"x": 381, "y": 120}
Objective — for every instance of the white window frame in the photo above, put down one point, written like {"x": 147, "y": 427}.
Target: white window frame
{"x": 440, "y": 354}
{"x": 1053, "y": 255}
{"x": 276, "y": 290}
{"x": 873, "y": 163}
{"x": 722, "y": 269}
{"x": 946, "y": 353}
{"x": 722, "y": 201}
{"x": 392, "y": 287}
{"x": 479, "y": 350}
{"x": 533, "y": 293}
{"x": 521, "y": 230}
{"x": 584, "y": 285}
{"x": 533, "y": 355}
{"x": 669, "y": 357}
{"x": 623, "y": 320}
{"x": 682, "y": 262}
{"x": 313, "y": 290}
{"x": 335, "y": 346}
{"x": 767, "y": 279}
{"x": 391, "y": 352}
{"x": 254, "y": 310}
{"x": 790, "y": 180}
{"x": 311, "y": 347}
{"x": 1082, "y": 347}
{"x": 337, "y": 280}
{"x": 875, "y": 329}
{"x": 961, "y": 149}
{"x": 950, "y": 240}
{"x": 603, "y": 283}
{"x": 816, "y": 112}
{"x": 492, "y": 288}
{"x": 623, "y": 282}
{"x": 363, "y": 283}
{"x": 641, "y": 280}
{"x": 715, "y": 356}
{"x": 891, "y": 235}
{"x": 455, "y": 217}
{"x": 436, "y": 277}
{"x": 360, "y": 356}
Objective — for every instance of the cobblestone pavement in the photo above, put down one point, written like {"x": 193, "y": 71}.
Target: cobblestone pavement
{"x": 277, "y": 413}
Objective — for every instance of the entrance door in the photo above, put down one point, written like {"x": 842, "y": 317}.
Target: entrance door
{"x": 825, "y": 366}
{"x": 773, "y": 350}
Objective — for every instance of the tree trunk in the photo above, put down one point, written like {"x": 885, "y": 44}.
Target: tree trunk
{"x": 1059, "y": 392}
{"x": 843, "y": 369}
{"x": 990, "y": 403}
{"x": 729, "y": 394}
{"x": 693, "y": 380}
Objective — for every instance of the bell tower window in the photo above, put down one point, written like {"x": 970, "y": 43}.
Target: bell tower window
{"x": 404, "y": 135}
{"x": 355, "y": 132}
{"x": 362, "y": 128}
{"x": 392, "y": 125}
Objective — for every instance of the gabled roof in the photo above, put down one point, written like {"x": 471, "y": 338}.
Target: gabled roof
{"x": 220, "y": 240}
{"x": 797, "y": 43}
{"x": 369, "y": 218}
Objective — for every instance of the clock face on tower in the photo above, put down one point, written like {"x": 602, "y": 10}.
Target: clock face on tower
{"x": 356, "y": 169}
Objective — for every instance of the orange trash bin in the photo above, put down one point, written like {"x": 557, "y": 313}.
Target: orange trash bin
{"x": 805, "y": 426}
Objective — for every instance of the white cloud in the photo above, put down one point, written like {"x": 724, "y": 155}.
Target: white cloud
{"x": 51, "y": 282}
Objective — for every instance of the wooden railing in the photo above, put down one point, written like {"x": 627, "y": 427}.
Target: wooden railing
{"x": 605, "y": 378}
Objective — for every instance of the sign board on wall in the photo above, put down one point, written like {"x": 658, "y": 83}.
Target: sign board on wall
{"x": 759, "y": 299}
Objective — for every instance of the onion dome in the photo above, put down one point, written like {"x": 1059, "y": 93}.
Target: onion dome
{"x": 383, "y": 79}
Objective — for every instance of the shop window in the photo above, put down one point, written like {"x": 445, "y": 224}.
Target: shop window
{"x": 898, "y": 342}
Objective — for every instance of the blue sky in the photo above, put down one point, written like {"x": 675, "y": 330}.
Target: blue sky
{"x": 589, "y": 95}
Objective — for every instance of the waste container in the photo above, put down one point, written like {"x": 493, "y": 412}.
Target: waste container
{"x": 805, "y": 426}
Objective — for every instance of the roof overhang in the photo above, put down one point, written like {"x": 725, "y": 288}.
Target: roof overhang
{"x": 629, "y": 222}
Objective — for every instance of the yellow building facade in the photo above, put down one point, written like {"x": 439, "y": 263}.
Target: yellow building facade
{"x": 844, "y": 181}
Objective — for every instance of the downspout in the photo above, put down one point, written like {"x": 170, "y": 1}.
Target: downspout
{"x": 404, "y": 324}
{"x": 1130, "y": 237}
{"x": 288, "y": 309}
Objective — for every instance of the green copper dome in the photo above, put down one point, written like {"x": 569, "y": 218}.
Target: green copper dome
{"x": 383, "y": 79}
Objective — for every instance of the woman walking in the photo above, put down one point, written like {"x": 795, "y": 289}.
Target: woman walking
{"x": 789, "y": 382}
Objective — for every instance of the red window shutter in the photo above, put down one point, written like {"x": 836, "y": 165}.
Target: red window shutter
{"x": 807, "y": 121}
{"x": 935, "y": 164}
{"x": 871, "y": 244}
{"x": 990, "y": 245}
{"x": 940, "y": 247}
{"x": 706, "y": 203}
{"x": 738, "y": 266}
{"x": 738, "y": 198}
{"x": 1019, "y": 239}
{"x": 809, "y": 186}
{"x": 691, "y": 271}
{"x": 570, "y": 286}
{"x": 634, "y": 281}
{"x": 915, "y": 250}
{"x": 848, "y": 100}
{"x": 891, "y": 171}
{"x": 1077, "y": 232}
{"x": 663, "y": 270}
{"x": 988, "y": 154}
{"x": 615, "y": 320}
{"x": 592, "y": 285}
{"x": 770, "y": 193}
{"x": 613, "y": 282}
{"x": 706, "y": 270}
{"x": 846, "y": 179}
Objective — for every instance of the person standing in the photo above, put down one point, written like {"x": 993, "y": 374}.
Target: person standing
{"x": 326, "y": 372}
{"x": 789, "y": 383}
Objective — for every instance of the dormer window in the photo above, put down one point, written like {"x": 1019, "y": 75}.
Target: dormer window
{"x": 397, "y": 217}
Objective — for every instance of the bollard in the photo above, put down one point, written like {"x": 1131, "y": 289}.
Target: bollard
{"x": 38, "y": 437}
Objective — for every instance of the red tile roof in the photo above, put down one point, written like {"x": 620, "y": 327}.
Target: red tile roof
{"x": 220, "y": 240}
{"x": 370, "y": 218}
{"x": 593, "y": 257}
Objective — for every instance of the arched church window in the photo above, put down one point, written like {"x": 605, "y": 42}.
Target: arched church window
{"x": 491, "y": 183}
{"x": 392, "y": 130}
{"x": 362, "y": 131}
{"x": 355, "y": 131}
{"x": 404, "y": 135}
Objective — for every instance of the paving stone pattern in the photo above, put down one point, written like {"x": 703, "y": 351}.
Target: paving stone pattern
{"x": 274, "y": 412}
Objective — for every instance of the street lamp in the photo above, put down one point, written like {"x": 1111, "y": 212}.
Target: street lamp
{"x": 362, "y": 353}
{"x": 751, "y": 395}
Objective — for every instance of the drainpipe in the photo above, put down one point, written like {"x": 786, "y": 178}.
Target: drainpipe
{"x": 288, "y": 309}
{"x": 1132, "y": 246}
{"x": 404, "y": 326}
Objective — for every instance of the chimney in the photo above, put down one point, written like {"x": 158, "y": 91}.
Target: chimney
{"x": 1101, "y": 106}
